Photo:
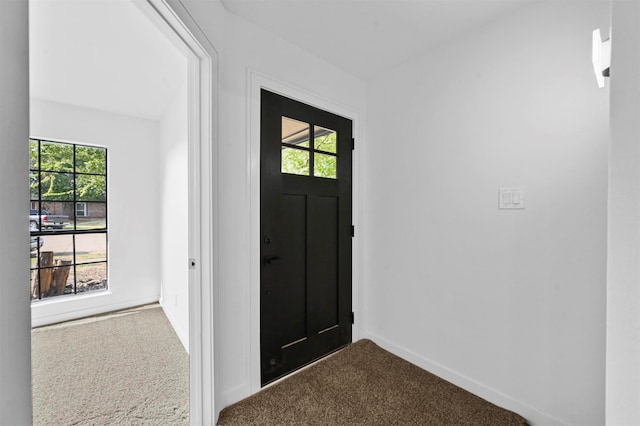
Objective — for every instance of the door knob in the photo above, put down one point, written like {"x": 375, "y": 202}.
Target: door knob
{"x": 268, "y": 259}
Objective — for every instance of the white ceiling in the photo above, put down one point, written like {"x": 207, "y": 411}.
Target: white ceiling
{"x": 106, "y": 55}
{"x": 102, "y": 54}
{"x": 365, "y": 37}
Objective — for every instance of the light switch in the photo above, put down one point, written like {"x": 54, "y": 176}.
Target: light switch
{"x": 511, "y": 198}
{"x": 506, "y": 198}
{"x": 515, "y": 197}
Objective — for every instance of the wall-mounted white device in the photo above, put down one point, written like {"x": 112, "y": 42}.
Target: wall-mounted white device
{"x": 511, "y": 198}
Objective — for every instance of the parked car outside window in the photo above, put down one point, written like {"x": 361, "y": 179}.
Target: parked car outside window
{"x": 35, "y": 242}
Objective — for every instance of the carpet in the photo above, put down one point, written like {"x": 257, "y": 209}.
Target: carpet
{"x": 124, "y": 368}
{"x": 365, "y": 385}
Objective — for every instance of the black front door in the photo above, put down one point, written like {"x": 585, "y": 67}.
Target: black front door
{"x": 305, "y": 299}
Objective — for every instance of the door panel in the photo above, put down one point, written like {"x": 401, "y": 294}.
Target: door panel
{"x": 306, "y": 206}
{"x": 293, "y": 273}
{"x": 323, "y": 263}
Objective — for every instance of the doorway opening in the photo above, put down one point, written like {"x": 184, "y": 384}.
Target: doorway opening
{"x": 180, "y": 258}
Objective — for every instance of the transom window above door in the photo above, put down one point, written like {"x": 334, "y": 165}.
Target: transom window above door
{"x": 300, "y": 157}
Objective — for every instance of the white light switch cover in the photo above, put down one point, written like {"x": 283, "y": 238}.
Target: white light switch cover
{"x": 511, "y": 198}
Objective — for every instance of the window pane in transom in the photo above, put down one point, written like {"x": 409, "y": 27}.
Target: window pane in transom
{"x": 325, "y": 165}
{"x": 324, "y": 139}
{"x": 295, "y": 145}
{"x": 295, "y": 161}
{"x": 295, "y": 132}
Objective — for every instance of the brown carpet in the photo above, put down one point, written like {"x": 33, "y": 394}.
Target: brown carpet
{"x": 365, "y": 385}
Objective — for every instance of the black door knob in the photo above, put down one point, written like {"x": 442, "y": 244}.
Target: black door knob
{"x": 269, "y": 259}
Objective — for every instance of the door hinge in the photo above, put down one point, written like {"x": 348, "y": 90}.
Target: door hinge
{"x": 353, "y": 318}
{"x": 353, "y": 231}
{"x": 353, "y": 144}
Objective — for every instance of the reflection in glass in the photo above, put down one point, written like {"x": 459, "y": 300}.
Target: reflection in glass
{"x": 324, "y": 139}
{"x": 325, "y": 165}
{"x": 295, "y": 161}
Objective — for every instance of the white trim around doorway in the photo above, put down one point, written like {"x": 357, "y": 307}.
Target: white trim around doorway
{"x": 179, "y": 27}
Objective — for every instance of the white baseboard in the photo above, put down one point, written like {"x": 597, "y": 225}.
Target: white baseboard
{"x": 534, "y": 416}
{"x": 233, "y": 395}
{"x": 64, "y": 311}
{"x": 174, "y": 324}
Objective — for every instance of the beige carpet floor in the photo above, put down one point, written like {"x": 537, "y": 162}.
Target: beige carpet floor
{"x": 126, "y": 368}
{"x": 365, "y": 385}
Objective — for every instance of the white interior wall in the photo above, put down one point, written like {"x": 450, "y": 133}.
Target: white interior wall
{"x": 510, "y": 304}
{"x": 173, "y": 211}
{"x": 246, "y": 47}
{"x": 15, "y": 317}
{"x": 134, "y": 220}
{"x": 623, "y": 292}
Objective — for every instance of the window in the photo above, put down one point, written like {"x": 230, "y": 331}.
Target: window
{"x": 300, "y": 158}
{"x": 81, "y": 210}
{"x": 68, "y": 246}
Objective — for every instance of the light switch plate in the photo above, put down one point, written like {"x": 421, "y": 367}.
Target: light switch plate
{"x": 511, "y": 198}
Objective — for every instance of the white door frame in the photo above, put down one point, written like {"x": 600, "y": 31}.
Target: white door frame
{"x": 180, "y": 28}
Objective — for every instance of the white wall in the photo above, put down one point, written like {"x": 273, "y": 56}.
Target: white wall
{"x": 134, "y": 217}
{"x": 15, "y": 317}
{"x": 623, "y": 292}
{"x": 173, "y": 211}
{"x": 247, "y": 47}
{"x": 510, "y": 304}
